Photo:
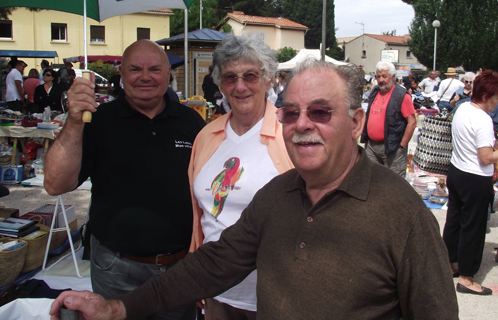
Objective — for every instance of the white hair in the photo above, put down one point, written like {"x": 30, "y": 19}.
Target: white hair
{"x": 386, "y": 66}
{"x": 470, "y": 75}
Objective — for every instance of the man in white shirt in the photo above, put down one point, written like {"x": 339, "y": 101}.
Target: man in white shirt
{"x": 429, "y": 83}
{"x": 447, "y": 88}
{"x": 15, "y": 92}
{"x": 44, "y": 65}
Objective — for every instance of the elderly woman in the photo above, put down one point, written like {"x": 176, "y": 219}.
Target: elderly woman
{"x": 29, "y": 86}
{"x": 470, "y": 182}
{"x": 463, "y": 94}
{"x": 234, "y": 156}
{"x": 49, "y": 94}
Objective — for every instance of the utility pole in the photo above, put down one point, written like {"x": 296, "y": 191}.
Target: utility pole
{"x": 324, "y": 24}
{"x": 200, "y": 10}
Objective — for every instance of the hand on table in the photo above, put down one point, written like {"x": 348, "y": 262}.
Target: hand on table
{"x": 91, "y": 306}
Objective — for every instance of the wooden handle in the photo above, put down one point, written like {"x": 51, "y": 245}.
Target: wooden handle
{"x": 87, "y": 115}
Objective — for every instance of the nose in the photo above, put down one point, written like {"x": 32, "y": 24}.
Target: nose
{"x": 240, "y": 85}
{"x": 304, "y": 123}
{"x": 145, "y": 75}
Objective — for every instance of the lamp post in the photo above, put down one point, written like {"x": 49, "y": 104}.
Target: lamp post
{"x": 436, "y": 24}
{"x": 200, "y": 10}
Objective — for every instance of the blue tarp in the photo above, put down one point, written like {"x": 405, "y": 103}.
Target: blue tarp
{"x": 28, "y": 53}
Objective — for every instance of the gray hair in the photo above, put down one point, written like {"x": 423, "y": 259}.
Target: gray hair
{"x": 248, "y": 48}
{"x": 386, "y": 66}
{"x": 470, "y": 75}
{"x": 351, "y": 74}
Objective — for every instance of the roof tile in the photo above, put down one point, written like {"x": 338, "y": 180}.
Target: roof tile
{"x": 279, "y": 22}
{"x": 389, "y": 39}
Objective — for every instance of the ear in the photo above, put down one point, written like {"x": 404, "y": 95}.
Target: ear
{"x": 359, "y": 117}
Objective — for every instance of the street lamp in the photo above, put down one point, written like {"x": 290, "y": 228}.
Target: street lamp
{"x": 436, "y": 24}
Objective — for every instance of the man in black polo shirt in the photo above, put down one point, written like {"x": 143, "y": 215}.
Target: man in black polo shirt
{"x": 136, "y": 151}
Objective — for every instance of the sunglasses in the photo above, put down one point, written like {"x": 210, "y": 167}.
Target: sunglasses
{"x": 251, "y": 78}
{"x": 47, "y": 75}
{"x": 318, "y": 114}
{"x": 466, "y": 81}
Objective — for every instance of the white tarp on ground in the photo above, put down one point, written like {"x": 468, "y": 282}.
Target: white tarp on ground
{"x": 302, "y": 55}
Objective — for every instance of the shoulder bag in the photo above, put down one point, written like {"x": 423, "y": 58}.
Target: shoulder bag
{"x": 434, "y": 148}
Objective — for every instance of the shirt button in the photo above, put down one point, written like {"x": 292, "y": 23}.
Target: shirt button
{"x": 302, "y": 245}
{"x": 153, "y": 133}
{"x": 309, "y": 219}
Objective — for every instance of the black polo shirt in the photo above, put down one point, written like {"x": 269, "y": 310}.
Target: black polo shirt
{"x": 141, "y": 202}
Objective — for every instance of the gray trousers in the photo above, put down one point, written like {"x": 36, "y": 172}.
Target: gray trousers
{"x": 113, "y": 276}
{"x": 396, "y": 161}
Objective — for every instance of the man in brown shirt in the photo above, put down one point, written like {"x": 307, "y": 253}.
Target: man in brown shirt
{"x": 339, "y": 237}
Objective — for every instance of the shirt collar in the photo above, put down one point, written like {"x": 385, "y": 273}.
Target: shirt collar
{"x": 268, "y": 129}
{"x": 356, "y": 184}
{"x": 125, "y": 110}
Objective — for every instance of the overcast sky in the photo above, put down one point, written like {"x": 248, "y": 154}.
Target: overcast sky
{"x": 378, "y": 16}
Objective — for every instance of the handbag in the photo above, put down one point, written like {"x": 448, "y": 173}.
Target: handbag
{"x": 434, "y": 148}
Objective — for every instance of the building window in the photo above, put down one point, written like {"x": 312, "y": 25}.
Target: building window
{"x": 143, "y": 33}
{"x": 59, "y": 32}
{"x": 363, "y": 54}
{"x": 5, "y": 29}
{"x": 408, "y": 54}
{"x": 97, "y": 34}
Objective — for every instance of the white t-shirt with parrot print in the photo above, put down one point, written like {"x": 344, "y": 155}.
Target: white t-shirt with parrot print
{"x": 224, "y": 187}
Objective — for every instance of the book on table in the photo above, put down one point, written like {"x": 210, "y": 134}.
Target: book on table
{"x": 14, "y": 227}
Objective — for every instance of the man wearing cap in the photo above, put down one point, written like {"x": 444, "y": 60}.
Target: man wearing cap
{"x": 447, "y": 88}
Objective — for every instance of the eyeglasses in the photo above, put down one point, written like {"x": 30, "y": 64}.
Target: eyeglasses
{"x": 319, "y": 114}
{"x": 466, "y": 81}
{"x": 248, "y": 78}
{"x": 47, "y": 75}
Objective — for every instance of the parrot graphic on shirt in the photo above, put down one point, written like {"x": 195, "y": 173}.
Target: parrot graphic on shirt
{"x": 224, "y": 182}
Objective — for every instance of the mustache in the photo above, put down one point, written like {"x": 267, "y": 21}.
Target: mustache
{"x": 307, "y": 138}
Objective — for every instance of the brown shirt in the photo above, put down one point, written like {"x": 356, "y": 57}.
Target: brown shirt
{"x": 368, "y": 250}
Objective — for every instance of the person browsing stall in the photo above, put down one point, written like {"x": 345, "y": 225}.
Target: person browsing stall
{"x": 136, "y": 150}
{"x": 49, "y": 93}
{"x": 338, "y": 237}
{"x": 463, "y": 94}
{"x": 390, "y": 121}
{"x": 235, "y": 156}
{"x": 470, "y": 185}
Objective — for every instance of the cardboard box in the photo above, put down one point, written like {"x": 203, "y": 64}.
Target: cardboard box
{"x": 47, "y": 213}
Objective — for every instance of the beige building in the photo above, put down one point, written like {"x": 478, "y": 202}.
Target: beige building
{"x": 63, "y": 32}
{"x": 276, "y": 32}
{"x": 366, "y": 50}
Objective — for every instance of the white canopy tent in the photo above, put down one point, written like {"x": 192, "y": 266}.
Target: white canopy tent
{"x": 302, "y": 55}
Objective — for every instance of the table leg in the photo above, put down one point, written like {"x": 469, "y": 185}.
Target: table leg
{"x": 14, "y": 149}
{"x": 47, "y": 143}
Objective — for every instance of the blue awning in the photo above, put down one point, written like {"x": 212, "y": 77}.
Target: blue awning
{"x": 202, "y": 35}
{"x": 28, "y": 53}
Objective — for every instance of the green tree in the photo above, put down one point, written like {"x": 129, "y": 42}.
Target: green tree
{"x": 389, "y": 33}
{"x": 5, "y": 12}
{"x": 335, "y": 52}
{"x": 210, "y": 17}
{"x": 309, "y": 13}
{"x": 468, "y": 35}
{"x": 285, "y": 54}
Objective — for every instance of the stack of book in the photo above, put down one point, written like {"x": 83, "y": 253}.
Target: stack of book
{"x": 17, "y": 228}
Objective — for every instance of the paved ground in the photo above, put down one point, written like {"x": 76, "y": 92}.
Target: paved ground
{"x": 471, "y": 307}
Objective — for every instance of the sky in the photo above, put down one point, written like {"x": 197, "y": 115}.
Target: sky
{"x": 378, "y": 16}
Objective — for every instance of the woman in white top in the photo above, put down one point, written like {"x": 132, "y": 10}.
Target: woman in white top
{"x": 470, "y": 182}
{"x": 234, "y": 156}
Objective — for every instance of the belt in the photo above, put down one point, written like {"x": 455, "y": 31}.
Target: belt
{"x": 160, "y": 259}
{"x": 377, "y": 142}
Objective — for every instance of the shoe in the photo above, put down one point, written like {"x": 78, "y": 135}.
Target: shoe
{"x": 485, "y": 291}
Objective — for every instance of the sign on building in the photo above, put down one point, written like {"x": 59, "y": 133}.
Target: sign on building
{"x": 389, "y": 56}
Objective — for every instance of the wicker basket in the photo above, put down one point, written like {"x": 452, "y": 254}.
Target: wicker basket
{"x": 11, "y": 263}
{"x": 36, "y": 249}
